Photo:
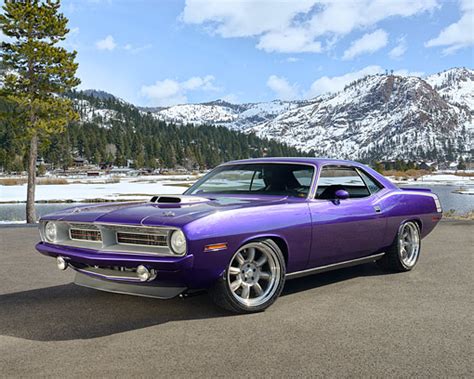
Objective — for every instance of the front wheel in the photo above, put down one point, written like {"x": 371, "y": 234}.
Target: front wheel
{"x": 253, "y": 279}
{"x": 405, "y": 250}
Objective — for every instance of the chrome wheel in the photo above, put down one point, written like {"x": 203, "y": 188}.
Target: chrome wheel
{"x": 409, "y": 244}
{"x": 254, "y": 274}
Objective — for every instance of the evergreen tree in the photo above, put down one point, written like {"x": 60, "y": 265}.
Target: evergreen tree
{"x": 40, "y": 70}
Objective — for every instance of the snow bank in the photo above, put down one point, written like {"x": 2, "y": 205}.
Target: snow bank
{"x": 440, "y": 179}
{"x": 127, "y": 189}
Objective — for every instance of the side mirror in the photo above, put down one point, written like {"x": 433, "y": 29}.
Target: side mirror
{"x": 342, "y": 194}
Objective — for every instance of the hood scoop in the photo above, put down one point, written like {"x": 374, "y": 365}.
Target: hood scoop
{"x": 178, "y": 199}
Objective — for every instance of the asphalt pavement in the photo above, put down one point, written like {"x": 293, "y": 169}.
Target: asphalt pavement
{"x": 354, "y": 322}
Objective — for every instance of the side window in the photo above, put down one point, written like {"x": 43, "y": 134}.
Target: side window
{"x": 304, "y": 176}
{"x": 257, "y": 182}
{"x": 333, "y": 178}
{"x": 371, "y": 183}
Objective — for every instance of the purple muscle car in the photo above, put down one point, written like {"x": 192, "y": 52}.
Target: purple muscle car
{"x": 242, "y": 230}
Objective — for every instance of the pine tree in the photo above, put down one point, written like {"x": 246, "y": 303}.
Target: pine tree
{"x": 39, "y": 71}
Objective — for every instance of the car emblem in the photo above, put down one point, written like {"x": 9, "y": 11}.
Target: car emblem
{"x": 168, "y": 214}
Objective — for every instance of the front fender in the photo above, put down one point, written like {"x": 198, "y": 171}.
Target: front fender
{"x": 289, "y": 222}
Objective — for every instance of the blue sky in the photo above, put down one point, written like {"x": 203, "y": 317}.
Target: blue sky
{"x": 167, "y": 52}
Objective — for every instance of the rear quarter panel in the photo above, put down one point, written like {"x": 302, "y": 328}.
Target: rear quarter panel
{"x": 401, "y": 205}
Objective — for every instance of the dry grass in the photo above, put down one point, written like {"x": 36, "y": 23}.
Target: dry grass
{"x": 466, "y": 174}
{"x": 39, "y": 181}
{"x": 404, "y": 175}
{"x": 51, "y": 181}
{"x": 453, "y": 215}
{"x": 12, "y": 181}
{"x": 105, "y": 181}
{"x": 185, "y": 185}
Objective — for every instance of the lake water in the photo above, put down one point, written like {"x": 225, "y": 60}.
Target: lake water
{"x": 460, "y": 203}
{"x": 449, "y": 200}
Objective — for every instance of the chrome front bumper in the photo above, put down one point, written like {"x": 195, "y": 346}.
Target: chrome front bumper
{"x": 143, "y": 289}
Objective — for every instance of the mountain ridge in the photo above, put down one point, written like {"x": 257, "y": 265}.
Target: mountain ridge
{"x": 376, "y": 117}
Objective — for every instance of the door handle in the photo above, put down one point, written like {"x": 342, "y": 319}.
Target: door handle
{"x": 377, "y": 209}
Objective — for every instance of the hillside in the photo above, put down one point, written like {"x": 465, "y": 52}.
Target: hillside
{"x": 377, "y": 117}
{"x": 113, "y": 131}
{"x": 219, "y": 112}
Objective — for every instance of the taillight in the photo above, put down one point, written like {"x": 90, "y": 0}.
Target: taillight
{"x": 438, "y": 204}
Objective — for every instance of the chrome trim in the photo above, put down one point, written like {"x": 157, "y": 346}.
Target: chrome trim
{"x": 128, "y": 288}
{"x": 312, "y": 188}
{"x": 109, "y": 239}
{"x": 334, "y": 266}
{"x": 356, "y": 168}
{"x": 142, "y": 234}
{"x": 183, "y": 199}
{"x": 84, "y": 230}
{"x": 133, "y": 277}
{"x": 380, "y": 185}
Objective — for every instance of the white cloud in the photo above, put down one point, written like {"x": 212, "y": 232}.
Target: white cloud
{"x": 291, "y": 40}
{"x": 398, "y": 50}
{"x": 244, "y": 18}
{"x": 196, "y": 82}
{"x": 295, "y": 26}
{"x": 368, "y": 43}
{"x": 292, "y": 59}
{"x": 137, "y": 49}
{"x": 327, "y": 84}
{"x": 405, "y": 72}
{"x": 171, "y": 92}
{"x": 108, "y": 43}
{"x": 459, "y": 34}
{"x": 336, "y": 83}
{"x": 282, "y": 88}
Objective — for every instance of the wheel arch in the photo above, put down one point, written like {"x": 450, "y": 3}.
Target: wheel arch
{"x": 280, "y": 241}
{"x": 415, "y": 220}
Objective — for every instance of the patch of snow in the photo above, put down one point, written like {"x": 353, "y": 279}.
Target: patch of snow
{"x": 127, "y": 189}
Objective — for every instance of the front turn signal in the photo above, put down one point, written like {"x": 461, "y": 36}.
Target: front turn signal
{"x": 215, "y": 247}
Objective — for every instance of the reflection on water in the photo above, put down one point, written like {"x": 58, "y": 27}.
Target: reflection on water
{"x": 460, "y": 203}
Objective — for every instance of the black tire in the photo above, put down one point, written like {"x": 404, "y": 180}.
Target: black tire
{"x": 223, "y": 296}
{"x": 393, "y": 260}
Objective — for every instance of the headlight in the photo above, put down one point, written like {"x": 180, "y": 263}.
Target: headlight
{"x": 51, "y": 231}
{"x": 178, "y": 242}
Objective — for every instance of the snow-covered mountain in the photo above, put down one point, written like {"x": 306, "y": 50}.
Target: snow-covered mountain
{"x": 379, "y": 117}
{"x": 455, "y": 85}
{"x": 219, "y": 112}
{"x": 376, "y": 117}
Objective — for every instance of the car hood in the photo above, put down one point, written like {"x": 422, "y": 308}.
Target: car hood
{"x": 160, "y": 214}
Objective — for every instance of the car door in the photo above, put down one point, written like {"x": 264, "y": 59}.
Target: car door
{"x": 345, "y": 229}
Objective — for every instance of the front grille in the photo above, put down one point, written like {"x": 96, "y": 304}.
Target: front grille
{"x": 85, "y": 234}
{"x": 141, "y": 239}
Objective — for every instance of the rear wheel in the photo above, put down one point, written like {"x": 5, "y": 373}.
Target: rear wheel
{"x": 253, "y": 280}
{"x": 405, "y": 250}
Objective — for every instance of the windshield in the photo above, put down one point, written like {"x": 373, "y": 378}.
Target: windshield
{"x": 256, "y": 178}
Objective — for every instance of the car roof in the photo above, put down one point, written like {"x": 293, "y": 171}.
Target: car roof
{"x": 308, "y": 160}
